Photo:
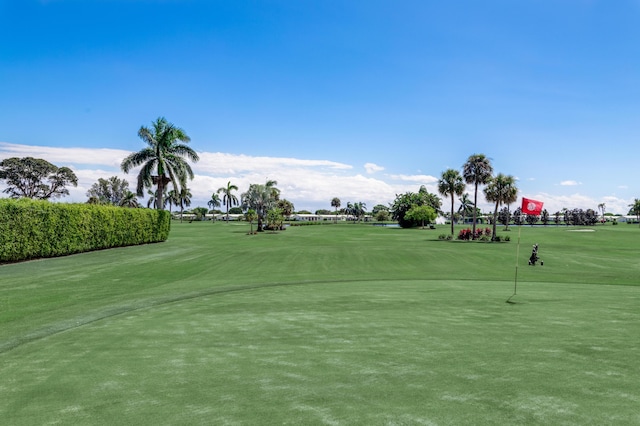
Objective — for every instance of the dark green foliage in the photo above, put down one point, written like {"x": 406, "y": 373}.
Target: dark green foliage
{"x": 404, "y": 202}
{"x": 32, "y": 229}
{"x": 35, "y": 178}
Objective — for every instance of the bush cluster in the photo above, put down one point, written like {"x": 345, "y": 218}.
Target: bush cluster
{"x": 32, "y": 229}
{"x": 466, "y": 234}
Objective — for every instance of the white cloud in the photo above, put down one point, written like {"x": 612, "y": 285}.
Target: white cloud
{"x": 570, "y": 183}
{"x": 372, "y": 168}
{"x": 418, "y": 179}
{"x": 309, "y": 184}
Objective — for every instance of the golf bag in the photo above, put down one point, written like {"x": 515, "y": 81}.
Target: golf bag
{"x": 534, "y": 256}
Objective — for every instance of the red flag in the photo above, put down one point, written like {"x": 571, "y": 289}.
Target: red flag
{"x": 530, "y": 206}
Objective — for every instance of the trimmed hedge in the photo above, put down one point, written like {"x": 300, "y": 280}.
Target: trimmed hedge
{"x": 32, "y": 229}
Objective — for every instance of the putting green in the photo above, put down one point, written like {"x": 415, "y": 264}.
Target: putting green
{"x": 340, "y": 352}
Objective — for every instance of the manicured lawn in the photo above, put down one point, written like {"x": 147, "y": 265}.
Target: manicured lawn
{"x": 336, "y": 324}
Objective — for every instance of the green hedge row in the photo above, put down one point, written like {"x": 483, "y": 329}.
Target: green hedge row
{"x": 32, "y": 229}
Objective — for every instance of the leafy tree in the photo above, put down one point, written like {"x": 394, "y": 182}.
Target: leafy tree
{"x": 379, "y": 207}
{"x": 335, "y": 202}
{"x": 556, "y": 218}
{"x": 35, "y": 178}
{"x": 504, "y": 216}
{"x": 382, "y": 215}
{"x": 500, "y": 190}
{"x": 517, "y": 216}
{"x": 532, "y": 219}
{"x": 200, "y": 212}
{"x": 109, "y": 191}
{"x": 544, "y": 217}
{"x": 261, "y": 198}
{"x": 404, "y": 202}
{"x": 430, "y": 199}
{"x": 324, "y": 212}
{"x": 421, "y": 214}
{"x": 250, "y": 216}
{"x": 235, "y": 210}
{"x": 451, "y": 184}
{"x": 275, "y": 219}
{"x": 162, "y": 160}
{"x": 635, "y": 208}
{"x": 228, "y": 198}
{"x": 477, "y": 171}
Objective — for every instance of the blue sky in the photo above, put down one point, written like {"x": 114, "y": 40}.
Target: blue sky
{"x": 355, "y": 99}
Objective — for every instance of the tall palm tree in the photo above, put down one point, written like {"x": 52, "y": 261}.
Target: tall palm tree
{"x": 228, "y": 198}
{"x": 152, "y": 199}
{"x": 500, "y": 190}
{"x": 477, "y": 171}
{"x": 214, "y": 201}
{"x": 162, "y": 160}
{"x": 129, "y": 199}
{"x": 261, "y": 198}
{"x": 336, "y": 203}
{"x": 465, "y": 206}
{"x": 184, "y": 199}
{"x": 602, "y": 207}
{"x": 451, "y": 183}
{"x": 172, "y": 199}
{"x": 359, "y": 209}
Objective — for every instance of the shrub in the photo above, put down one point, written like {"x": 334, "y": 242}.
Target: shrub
{"x": 464, "y": 234}
{"x": 31, "y": 229}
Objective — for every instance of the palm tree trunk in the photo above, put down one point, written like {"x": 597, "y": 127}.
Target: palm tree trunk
{"x": 475, "y": 212}
{"x": 451, "y": 213}
{"x": 495, "y": 216}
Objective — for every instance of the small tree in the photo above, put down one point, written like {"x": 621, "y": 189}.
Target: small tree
{"x": 545, "y": 217}
{"x": 200, "y": 212}
{"x": 504, "y": 216}
{"x": 109, "y": 191}
{"x": 532, "y": 219}
{"x": 382, "y": 215}
{"x": 556, "y": 218}
{"x": 421, "y": 214}
{"x": 250, "y": 216}
{"x": 275, "y": 219}
{"x": 517, "y": 216}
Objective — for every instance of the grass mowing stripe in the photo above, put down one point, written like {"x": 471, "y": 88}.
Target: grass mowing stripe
{"x": 112, "y": 311}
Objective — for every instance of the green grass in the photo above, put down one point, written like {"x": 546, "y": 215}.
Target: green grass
{"x": 346, "y": 324}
